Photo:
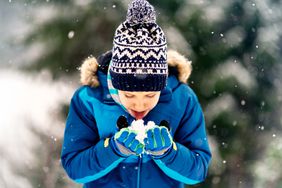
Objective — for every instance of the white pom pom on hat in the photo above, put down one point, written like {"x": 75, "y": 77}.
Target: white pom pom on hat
{"x": 140, "y": 11}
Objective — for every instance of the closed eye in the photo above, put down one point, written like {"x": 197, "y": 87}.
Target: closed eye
{"x": 129, "y": 96}
{"x": 151, "y": 96}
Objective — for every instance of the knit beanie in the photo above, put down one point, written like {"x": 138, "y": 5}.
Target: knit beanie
{"x": 139, "y": 60}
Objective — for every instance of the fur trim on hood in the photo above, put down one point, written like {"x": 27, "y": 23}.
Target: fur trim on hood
{"x": 175, "y": 60}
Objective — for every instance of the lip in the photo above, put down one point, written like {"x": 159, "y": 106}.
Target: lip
{"x": 138, "y": 115}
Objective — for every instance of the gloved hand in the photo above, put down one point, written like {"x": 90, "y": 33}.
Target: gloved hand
{"x": 158, "y": 141}
{"x": 124, "y": 141}
{"x": 126, "y": 144}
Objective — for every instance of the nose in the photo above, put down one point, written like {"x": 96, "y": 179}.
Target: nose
{"x": 140, "y": 106}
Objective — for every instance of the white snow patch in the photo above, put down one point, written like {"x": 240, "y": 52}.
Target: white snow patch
{"x": 140, "y": 129}
{"x": 28, "y": 102}
{"x": 221, "y": 104}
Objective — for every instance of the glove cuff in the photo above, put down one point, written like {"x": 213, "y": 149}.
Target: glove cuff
{"x": 154, "y": 156}
{"x": 113, "y": 144}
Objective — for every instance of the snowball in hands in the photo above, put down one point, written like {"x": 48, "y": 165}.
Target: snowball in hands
{"x": 140, "y": 129}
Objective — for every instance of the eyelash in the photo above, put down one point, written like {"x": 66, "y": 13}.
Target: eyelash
{"x": 149, "y": 96}
{"x": 127, "y": 96}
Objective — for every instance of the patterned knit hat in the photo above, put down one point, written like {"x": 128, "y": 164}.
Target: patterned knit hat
{"x": 139, "y": 61}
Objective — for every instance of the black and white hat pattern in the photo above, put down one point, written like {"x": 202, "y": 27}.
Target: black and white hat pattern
{"x": 139, "y": 61}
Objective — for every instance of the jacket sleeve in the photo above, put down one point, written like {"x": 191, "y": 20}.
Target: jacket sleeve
{"x": 84, "y": 156}
{"x": 188, "y": 159}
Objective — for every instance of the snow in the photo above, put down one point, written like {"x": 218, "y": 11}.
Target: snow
{"x": 243, "y": 102}
{"x": 140, "y": 129}
{"x": 71, "y": 34}
{"x": 28, "y": 102}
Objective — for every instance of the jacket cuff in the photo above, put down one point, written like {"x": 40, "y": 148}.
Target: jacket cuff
{"x": 108, "y": 151}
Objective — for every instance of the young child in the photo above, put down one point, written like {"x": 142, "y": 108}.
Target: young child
{"x": 137, "y": 79}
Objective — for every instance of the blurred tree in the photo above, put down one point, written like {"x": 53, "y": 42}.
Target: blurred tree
{"x": 233, "y": 79}
{"x": 232, "y": 76}
{"x": 76, "y": 31}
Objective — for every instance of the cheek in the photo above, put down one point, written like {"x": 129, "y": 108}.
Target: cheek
{"x": 152, "y": 103}
{"x": 126, "y": 103}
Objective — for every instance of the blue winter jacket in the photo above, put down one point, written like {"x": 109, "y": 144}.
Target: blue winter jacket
{"x": 88, "y": 158}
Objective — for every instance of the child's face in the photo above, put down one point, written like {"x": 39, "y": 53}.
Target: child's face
{"x": 139, "y": 104}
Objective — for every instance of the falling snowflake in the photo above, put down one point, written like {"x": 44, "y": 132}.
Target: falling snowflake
{"x": 71, "y": 34}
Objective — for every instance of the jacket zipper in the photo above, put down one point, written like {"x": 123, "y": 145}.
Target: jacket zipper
{"x": 139, "y": 171}
{"x": 130, "y": 119}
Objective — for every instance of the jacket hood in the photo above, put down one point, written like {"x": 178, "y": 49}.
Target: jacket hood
{"x": 177, "y": 63}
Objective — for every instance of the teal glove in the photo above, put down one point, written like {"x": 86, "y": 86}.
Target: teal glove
{"x": 126, "y": 144}
{"x": 158, "y": 141}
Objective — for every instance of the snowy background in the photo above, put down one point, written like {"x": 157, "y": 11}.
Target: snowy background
{"x": 235, "y": 47}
